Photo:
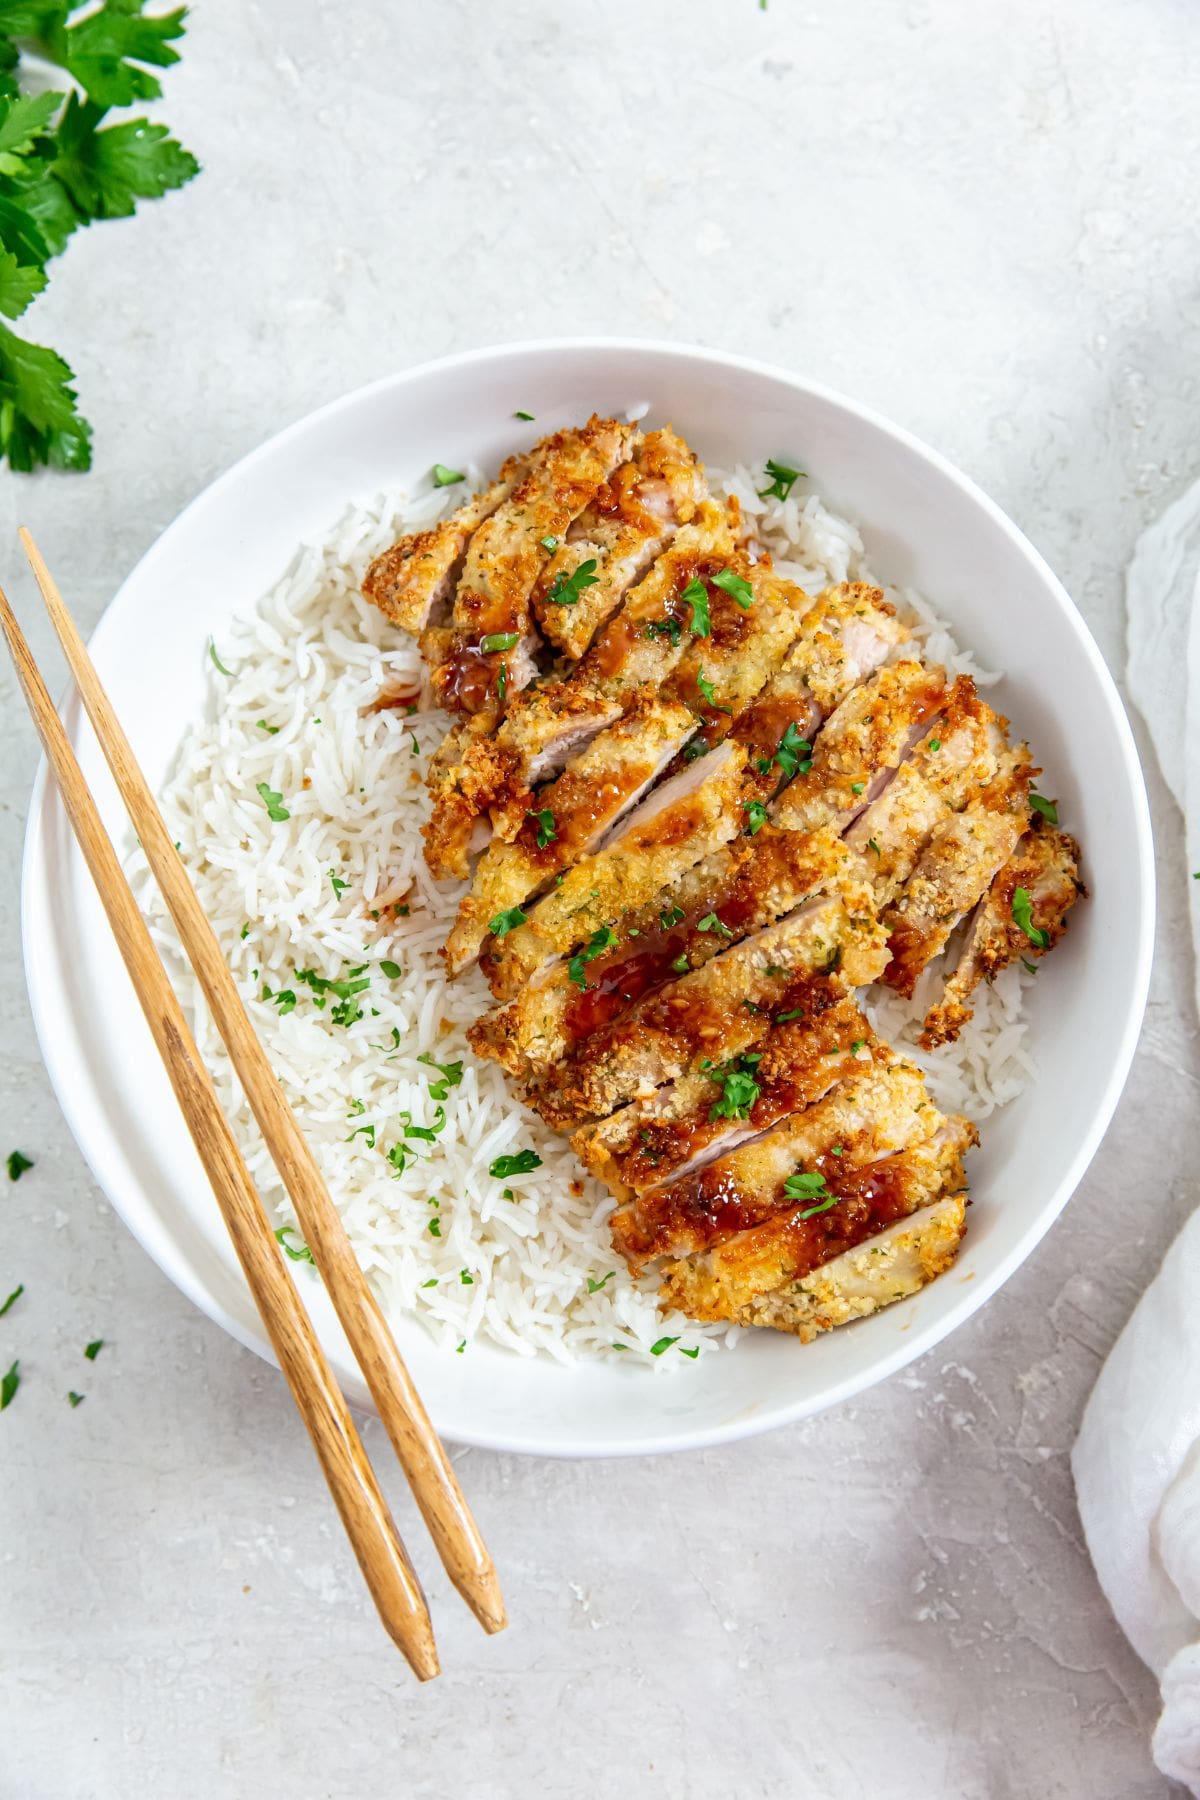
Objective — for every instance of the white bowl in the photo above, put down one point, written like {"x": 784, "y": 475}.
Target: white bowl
{"x": 926, "y": 526}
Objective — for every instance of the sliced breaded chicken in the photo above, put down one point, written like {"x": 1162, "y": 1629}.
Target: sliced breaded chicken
{"x": 480, "y": 778}
{"x": 630, "y": 520}
{"x": 751, "y": 619}
{"x": 795, "y": 1166}
{"x": 865, "y": 738}
{"x": 568, "y": 818}
{"x": 1024, "y": 914}
{"x": 772, "y": 1274}
{"x": 415, "y": 578}
{"x": 958, "y": 754}
{"x": 961, "y": 860}
{"x": 657, "y": 942}
{"x": 713, "y": 1108}
{"x": 678, "y": 824}
{"x": 488, "y": 654}
{"x": 704, "y": 1013}
{"x": 641, "y": 644}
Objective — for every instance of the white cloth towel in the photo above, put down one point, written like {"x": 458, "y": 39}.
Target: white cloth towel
{"x": 1137, "y": 1461}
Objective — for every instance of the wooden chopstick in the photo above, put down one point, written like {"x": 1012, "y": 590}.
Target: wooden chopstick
{"x": 420, "y": 1450}
{"x": 389, "y": 1574}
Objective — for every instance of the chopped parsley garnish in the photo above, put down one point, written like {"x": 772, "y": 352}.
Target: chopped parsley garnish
{"x": 285, "y": 1000}
{"x": 857, "y": 1045}
{"x": 17, "y": 1164}
{"x": 681, "y": 965}
{"x": 783, "y": 1018}
{"x": 872, "y": 845}
{"x": 600, "y": 941}
{"x": 664, "y": 1343}
{"x": 277, "y": 812}
{"x": 459, "y": 1348}
{"x": 212, "y": 651}
{"x": 739, "y": 1088}
{"x": 398, "y": 1156}
{"x": 502, "y": 682}
{"x": 298, "y": 1253}
{"x": 337, "y": 884}
{"x": 737, "y": 587}
{"x": 504, "y": 922}
{"x": 92, "y": 1350}
{"x": 465, "y": 1279}
{"x": 709, "y": 693}
{"x": 12, "y": 1299}
{"x": 856, "y": 787}
{"x": 672, "y": 916}
{"x": 74, "y": 1399}
{"x": 696, "y": 748}
{"x": 1047, "y": 808}
{"x": 595, "y": 1286}
{"x": 1022, "y": 912}
{"x": 444, "y": 477}
{"x": 806, "y": 1186}
{"x": 495, "y": 641}
{"x": 434, "y": 1228}
{"x": 668, "y": 627}
{"x": 432, "y": 1282}
{"x": 519, "y": 1163}
{"x": 523, "y": 415}
{"x": 565, "y": 589}
{"x": 451, "y": 1074}
{"x": 790, "y": 752}
{"x": 710, "y": 922}
{"x": 363, "y": 1131}
{"x": 391, "y": 969}
{"x": 695, "y": 595}
{"x": 935, "y": 744}
{"x": 426, "y": 1133}
{"x": 544, "y": 820}
{"x": 756, "y": 816}
{"x": 783, "y": 479}
{"x": 416, "y": 748}
{"x": 1031, "y": 966}
{"x": 271, "y": 730}
{"x": 692, "y": 1353}
{"x": 244, "y": 933}
{"x": 9, "y": 1385}
{"x": 549, "y": 544}
{"x": 774, "y": 969}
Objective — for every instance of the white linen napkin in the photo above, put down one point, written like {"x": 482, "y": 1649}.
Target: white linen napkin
{"x": 1137, "y": 1459}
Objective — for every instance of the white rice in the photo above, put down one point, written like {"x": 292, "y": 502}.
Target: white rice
{"x": 520, "y": 1261}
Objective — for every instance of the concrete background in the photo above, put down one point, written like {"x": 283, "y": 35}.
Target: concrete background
{"x": 981, "y": 220}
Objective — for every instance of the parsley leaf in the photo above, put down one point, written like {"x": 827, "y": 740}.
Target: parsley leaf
{"x": 339, "y": 886}
{"x": 695, "y": 595}
{"x": 107, "y": 171}
{"x": 600, "y": 941}
{"x": 664, "y": 1343}
{"x": 668, "y": 627}
{"x": 75, "y": 1399}
{"x": 17, "y": 1164}
{"x": 444, "y": 477}
{"x": 451, "y": 1074}
{"x": 804, "y": 1186}
{"x": 519, "y": 1164}
{"x": 1022, "y": 912}
{"x": 546, "y": 834}
{"x": 1047, "y": 808}
{"x": 92, "y": 1350}
{"x": 504, "y": 922}
{"x": 391, "y": 969}
{"x": 276, "y": 810}
{"x": 565, "y": 589}
{"x": 756, "y": 816}
{"x": 523, "y": 415}
{"x": 9, "y": 1385}
{"x": 710, "y": 922}
{"x": 737, "y": 587}
{"x": 681, "y": 965}
{"x": 498, "y": 640}
{"x": 595, "y": 1286}
{"x": 792, "y": 748}
{"x": 671, "y": 916}
{"x": 12, "y": 1299}
{"x": 739, "y": 1088}
{"x": 709, "y": 693}
{"x": 549, "y": 544}
{"x": 783, "y": 479}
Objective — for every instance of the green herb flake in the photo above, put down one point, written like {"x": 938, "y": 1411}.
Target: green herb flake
{"x": 710, "y": 922}
{"x": 739, "y": 1089}
{"x": 668, "y": 627}
{"x": 338, "y": 885}
{"x": 935, "y": 744}
{"x": 363, "y": 1131}
{"x": 391, "y": 969}
{"x": 285, "y": 1000}
{"x": 595, "y": 1286}
{"x": 709, "y": 693}
{"x": 672, "y": 916}
{"x": 527, "y": 416}
{"x": 92, "y": 1350}
{"x": 698, "y": 747}
{"x": 664, "y": 1343}
{"x": 244, "y": 933}
{"x": 271, "y": 730}
{"x": 277, "y": 812}
{"x": 520, "y": 1163}
{"x": 872, "y": 845}
{"x": 783, "y": 479}
{"x": 756, "y": 816}
{"x": 600, "y": 941}
{"x": 297, "y": 1252}
{"x": 9, "y": 1385}
{"x": 495, "y": 641}
{"x": 1022, "y": 912}
{"x": 432, "y": 1282}
{"x": 1031, "y": 966}
{"x": 416, "y": 748}
{"x": 544, "y": 820}
{"x": 695, "y": 595}
{"x": 856, "y": 787}
{"x": 17, "y": 1164}
{"x": 459, "y": 1348}
{"x": 1047, "y": 808}
{"x": 681, "y": 965}
{"x": 784, "y": 1018}
{"x": 217, "y": 663}
{"x": 502, "y": 682}
{"x": 692, "y": 1353}
{"x": 857, "y": 1045}
{"x": 444, "y": 477}
{"x": 737, "y": 587}
{"x": 804, "y": 1185}
{"x": 565, "y": 590}
{"x": 549, "y": 544}
{"x": 74, "y": 1399}
{"x": 434, "y": 1228}
{"x": 789, "y": 752}
{"x": 466, "y": 1280}
{"x": 12, "y": 1299}
{"x": 504, "y": 922}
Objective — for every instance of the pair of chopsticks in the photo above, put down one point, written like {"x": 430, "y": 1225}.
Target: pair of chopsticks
{"x": 387, "y": 1569}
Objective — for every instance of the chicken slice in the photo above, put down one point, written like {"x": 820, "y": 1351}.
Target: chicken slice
{"x": 1044, "y": 869}
{"x": 713, "y": 1108}
{"x": 630, "y": 520}
{"x": 866, "y": 737}
{"x": 773, "y": 1273}
{"x": 666, "y": 937}
{"x": 416, "y": 577}
{"x": 713, "y": 1012}
{"x": 880, "y": 1110}
{"x": 488, "y": 655}
{"x": 752, "y": 623}
{"x": 957, "y": 867}
{"x": 678, "y": 824}
{"x": 480, "y": 776}
{"x": 893, "y": 1266}
{"x": 569, "y": 817}
{"x": 959, "y": 754}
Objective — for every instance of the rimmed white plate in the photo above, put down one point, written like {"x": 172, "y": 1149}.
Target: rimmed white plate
{"x": 925, "y": 526}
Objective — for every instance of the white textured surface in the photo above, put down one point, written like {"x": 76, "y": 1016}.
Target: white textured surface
{"x": 891, "y": 1600}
